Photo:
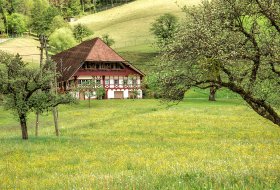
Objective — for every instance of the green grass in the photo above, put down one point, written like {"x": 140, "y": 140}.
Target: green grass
{"x": 25, "y": 46}
{"x": 129, "y": 24}
{"x": 142, "y": 144}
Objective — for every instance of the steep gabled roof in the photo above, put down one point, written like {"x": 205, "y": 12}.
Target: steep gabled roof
{"x": 69, "y": 61}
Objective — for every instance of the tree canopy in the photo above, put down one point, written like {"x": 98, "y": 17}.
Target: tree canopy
{"x": 232, "y": 44}
{"x": 24, "y": 90}
{"x": 164, "y": 29}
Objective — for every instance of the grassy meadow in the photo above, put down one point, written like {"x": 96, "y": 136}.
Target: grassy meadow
{"x": 143, "y": 144}
{"x": 26, "y": 46}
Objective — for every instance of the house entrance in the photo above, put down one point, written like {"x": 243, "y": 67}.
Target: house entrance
{"x": 118, "y": 94}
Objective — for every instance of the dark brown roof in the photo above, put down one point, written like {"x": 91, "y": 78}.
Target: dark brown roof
{"x": 69, "y": 61}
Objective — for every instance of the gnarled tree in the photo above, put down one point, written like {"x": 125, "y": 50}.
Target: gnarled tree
{"x": 232, "y": 44}
{"x": 25, "y": 91}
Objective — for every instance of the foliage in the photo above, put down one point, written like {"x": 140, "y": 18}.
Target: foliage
{"x": 73, "y": 8}
{"x": 58, "y": 22}
{"x": 23, "y": 6}
{"x": 42, "y": 16}
{"x": 61, "y": 39}
{"x": 109, "y": 41}
{"x": 2, "y": 27}
{"x": 17, "y": 23}
{"x": 80, "y": 31}
{"x": 118, "y": 144}
{"x": 229, "y": 44}
{"x": 20, "y": 86}
{"x": 100, "y": 92}
{"x": 164, "y": 29}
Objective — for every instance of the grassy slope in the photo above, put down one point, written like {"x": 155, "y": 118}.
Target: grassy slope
{"x": 129, "y": 25}
{"x": 142, "y": 144}
{"x": 24, "y": 46}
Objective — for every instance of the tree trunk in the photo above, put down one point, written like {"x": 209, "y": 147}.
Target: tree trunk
{"x": 89, "y": 100}
{"x": 212, "y": 95}
{"x": 55, "y": 121}
{"x": 37, "y": 124}
{"x": 264, "y": 110}
{"x": 23, "y": 127}
{"x": 261, "y": 107}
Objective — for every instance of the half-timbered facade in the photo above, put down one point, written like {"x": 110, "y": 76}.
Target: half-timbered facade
{"x": 93, "y": 61}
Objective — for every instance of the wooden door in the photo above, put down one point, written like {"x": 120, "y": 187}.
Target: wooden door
{"x": 118, "y": 94}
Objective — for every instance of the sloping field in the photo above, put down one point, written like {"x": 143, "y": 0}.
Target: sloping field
{"x": 129, "y": 24}
{"x": 141, "y": 144}
{"x": 25, "y": 46}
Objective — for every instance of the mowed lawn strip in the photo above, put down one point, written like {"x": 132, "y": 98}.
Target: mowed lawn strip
{"x": 143, "y": 144}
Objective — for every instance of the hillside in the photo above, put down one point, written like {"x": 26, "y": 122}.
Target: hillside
{"x": 27, "y": 47}
{"x": 128, "y": 25}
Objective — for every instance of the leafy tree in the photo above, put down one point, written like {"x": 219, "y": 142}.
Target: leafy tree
{"x": 73, "y": 8}
{"x": 20, "y": 86}
{"x": 100, "y": 92}
{"x": 81, "y": 31}
{"x": 232, "y": 44}
{"x": 23, "y": 6}
{"x": 58, "y": 22}
{"x": 17, "y": 23}
{"x": 109, "y": 41}
{"x": 42, "y": 16}
{"x": 88, "y": 88}
{"x": 164, "y": 29}
{"x": 62, "y": 39}
{"x": 2, "y": 26}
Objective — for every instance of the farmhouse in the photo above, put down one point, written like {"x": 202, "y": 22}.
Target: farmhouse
{"x": 94, "y": 62}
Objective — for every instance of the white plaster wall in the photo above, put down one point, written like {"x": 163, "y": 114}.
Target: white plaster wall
{"x": 110, "y": 94}
{"x": 125, "y": 94}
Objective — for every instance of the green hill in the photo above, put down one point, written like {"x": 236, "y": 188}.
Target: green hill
{"x": 128, "y": 25}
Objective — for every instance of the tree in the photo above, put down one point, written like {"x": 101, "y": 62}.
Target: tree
{"x": 17, "y": 24}
{"x": 164, "y": 29}
{"x": 109, "y": 41}
{"x": 61, "y": 39}
{"x": 73, "y": 8}
{"x": 2, "y": 26}
{"x": 42, "y": 16}
{"x": 20, "y": 86}
{"x": 232, "y": 44}
{"x": 81, "y": 31}
{"x": 23, "y": 6}
{"x": 88, "y": 87}
{"x": 58, "y": 22}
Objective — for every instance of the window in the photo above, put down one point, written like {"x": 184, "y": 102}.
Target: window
{"x": 107, "y": 65}
{"x": 107, "y": 81}
{"x": 116, "y": 82}
{"x": 98, "y": 81}
{"x": 124, "y": 81}
{"x": 84, "y": 82}
{"x": 97, "y": 66}
{"x": 134, "y": 82}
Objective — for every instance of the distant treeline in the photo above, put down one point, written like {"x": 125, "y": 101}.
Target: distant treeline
{"x": 18, "y": 16}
